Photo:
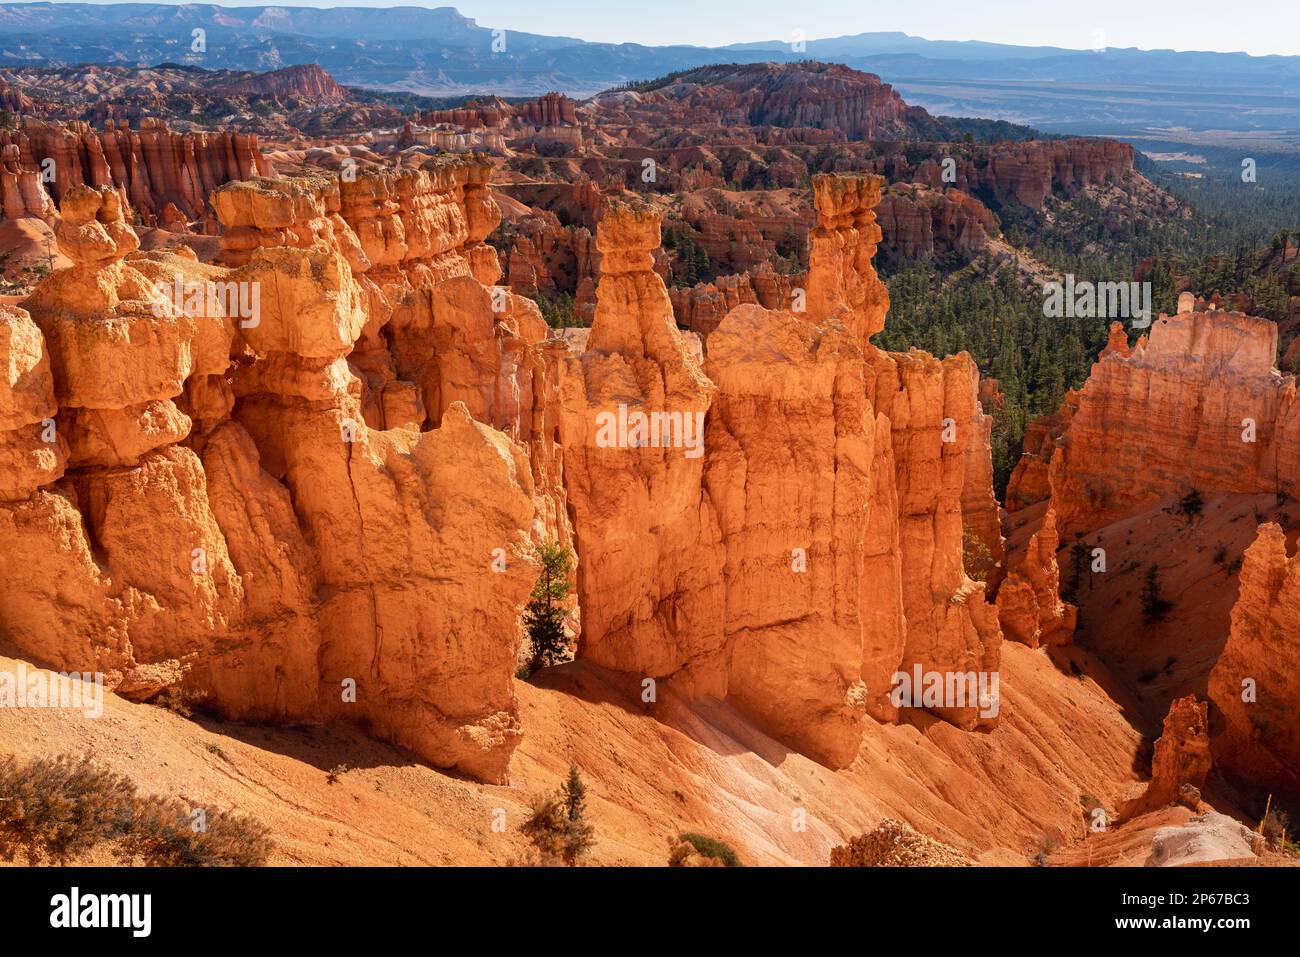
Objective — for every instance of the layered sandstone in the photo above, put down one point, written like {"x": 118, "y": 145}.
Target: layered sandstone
{"x": 1253, "y": 687}
{"x": 1027, "y": 173}
{"x": 305, "y": 80}
{"x": 1029, "y": 481}
{"x": 806, "y": 95}
{"x": 811, "y": 546}
{"x": 150, "y": 168}
{"x": 325, "y": 507}
{"x": 1029, "y": 601}
{"x": 1196, "y": 405}
{"x": 1181, "y": 758}
{"x": 920, "y": 223}
{"x": 841, "y": 281}
{"x": 22, "y": 193}
{"x": 548, "y": 259}
{"x": 550, "y": 109}
{"x": 243, "y": 528}
{"x": 32, "y": 453}
{"x": 702, "y": 307}
{"x": 938, "y": 432}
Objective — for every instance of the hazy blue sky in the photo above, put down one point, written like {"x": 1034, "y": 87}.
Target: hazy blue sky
{"x": 1251, "y": 26}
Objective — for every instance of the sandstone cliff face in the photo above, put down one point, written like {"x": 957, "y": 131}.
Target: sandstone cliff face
{"x": 297, "y": 512}
{"x": 306, "y": 80}
{"x": 549, "y": 259}
{"x": 934, "y": 422}
{"x": 229, "y": 513}
{"x": 800, "y": 96}
{"x": 621, "y": 492}
{"x": 32, "y": 453}
{"x": 811, "y": 545}
{"x": 1253, "y": 687}
{"x": 919, "y": 223}
{"x": 22, "y": 193}
{"x": 1181, "y": 758}
{"x": 1029, "y": 481}
{"x": 550, "y": 109}
{"x": 1029, "y": 601}
{"x": 1027, "y": 173}
{"x": 151, "y": 167}
{"x": 701, "y": 308}
{"x": 1198, "y": 404}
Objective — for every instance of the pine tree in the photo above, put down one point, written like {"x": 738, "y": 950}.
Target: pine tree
{"x": 544, "y": 613}
{"x": 575, "y": 795}
{"x": 578, "y": 835}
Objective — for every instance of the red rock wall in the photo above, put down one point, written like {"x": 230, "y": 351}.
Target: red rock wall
{"x": 1254, "y": 688}
{"x": 151, "y": 168}
{"x": 1029, "y": 172}
{"x": 1175, "y": 414}
{"x": 814, "y": 546}
{"x": 244, "y": 527}
{"x": 920, "y": 223}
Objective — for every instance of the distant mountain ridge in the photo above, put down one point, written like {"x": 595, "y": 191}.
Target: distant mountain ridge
{"x": 440, "y": 52}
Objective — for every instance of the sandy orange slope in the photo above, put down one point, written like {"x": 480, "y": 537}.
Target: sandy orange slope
{"x": 688, "y": 766}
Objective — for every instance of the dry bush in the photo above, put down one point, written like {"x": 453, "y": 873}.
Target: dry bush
{"x": 558, "y": 827}
{"x": 58, "y": 807}
{"x": 1275, "y": 828}
{"x": 162, "y": 835}
{"x": 545, "y": 828}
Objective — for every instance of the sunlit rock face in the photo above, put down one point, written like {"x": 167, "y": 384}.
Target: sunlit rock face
{"x": 811, "y": 546}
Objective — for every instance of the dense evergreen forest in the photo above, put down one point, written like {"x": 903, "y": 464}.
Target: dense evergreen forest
{"x": 1222, "y": 236}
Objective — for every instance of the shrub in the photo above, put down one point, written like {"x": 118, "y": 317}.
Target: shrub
{"x": 58, "y": 807}
{"x": 711, "y": 847}
{"x": 545, "y": 827}
{"x": 1191, "y": 504}
{"x": 558, "y": 826}
{"x": 163, "y": 834}
{"x": 976, "y": 557}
